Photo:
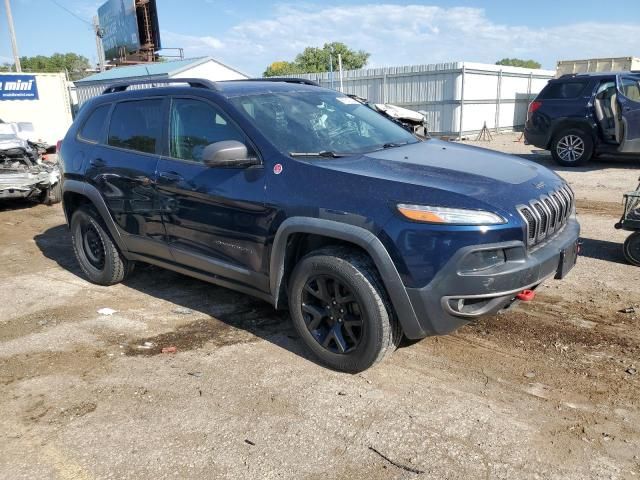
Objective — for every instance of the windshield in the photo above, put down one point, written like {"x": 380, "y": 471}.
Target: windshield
{"x": 320, "y": 121}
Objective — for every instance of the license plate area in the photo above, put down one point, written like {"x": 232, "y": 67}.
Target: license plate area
{"x": 568, "y": 258}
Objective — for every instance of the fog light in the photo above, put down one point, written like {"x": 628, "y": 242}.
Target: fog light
{"x": 482, "y": 260}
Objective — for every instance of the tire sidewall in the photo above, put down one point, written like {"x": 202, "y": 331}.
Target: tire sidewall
{"x": 375, "y": 316}
{"x": 80, "y": 218}
{"x": 631, "y": 244}
{"x": 588, "y": 147}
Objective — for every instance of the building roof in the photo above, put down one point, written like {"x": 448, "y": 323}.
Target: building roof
{"x": 149, "y": 70}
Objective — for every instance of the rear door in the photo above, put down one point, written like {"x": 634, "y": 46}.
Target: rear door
{"x": 123, "y": 169}
{"x": 629, "y": 102}
{"x": 216, "y": 219}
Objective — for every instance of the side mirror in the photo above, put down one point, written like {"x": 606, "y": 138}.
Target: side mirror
{"x": 228, "y": 154}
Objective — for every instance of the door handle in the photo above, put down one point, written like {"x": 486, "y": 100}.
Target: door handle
{"x": 170, "y": 176}
{"x": 97, "y": 162}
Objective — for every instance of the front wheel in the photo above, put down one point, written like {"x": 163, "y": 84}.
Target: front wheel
{"x": 339, "y": 308}
{"x": 572, "y": 147}
{"x": 631, "y": 249}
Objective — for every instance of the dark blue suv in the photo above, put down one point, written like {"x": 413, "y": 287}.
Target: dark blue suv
{"x": 308, "y": 199}
{"x": 581, "y": 115}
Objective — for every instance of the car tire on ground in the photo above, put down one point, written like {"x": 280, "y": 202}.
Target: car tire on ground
{"x": 340, "y": 309}
{"x": 631, "y": 249}
{"x": 572, "y": 147}
{"x": 51, "y": 195}
{"x": 97, "y": 254}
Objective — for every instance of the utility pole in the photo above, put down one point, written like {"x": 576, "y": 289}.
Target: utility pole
{"x": 340, "y": 72}
{"x": 12, "y": 32}
{"x": 99, "y": 48}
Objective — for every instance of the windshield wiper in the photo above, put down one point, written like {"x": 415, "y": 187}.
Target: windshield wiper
{"x": 323, "y": 154}
{"x": 396, "y": 144}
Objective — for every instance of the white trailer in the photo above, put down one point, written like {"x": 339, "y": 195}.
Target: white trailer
{"x": 457, "y": 98}
{"x": 41, "y": 99}
{"x": 613, "y": 64}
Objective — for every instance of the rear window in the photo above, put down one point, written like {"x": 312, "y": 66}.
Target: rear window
{"x": 136, "y": 125}
{"x": 93, "y": 127}
{"x": 560, "y": 90}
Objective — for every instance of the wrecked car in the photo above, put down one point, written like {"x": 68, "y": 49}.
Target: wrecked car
{"x": 414, "y": 122}
{"x": 23, "y": 173}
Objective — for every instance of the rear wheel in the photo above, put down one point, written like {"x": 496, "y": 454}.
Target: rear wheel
{"x": 51, "y": 195}
{"x": 97, "y": 254}
{"x": 631, "y": 249}
{"x": 339, "y": 309}
{"x": 572, "y": 147}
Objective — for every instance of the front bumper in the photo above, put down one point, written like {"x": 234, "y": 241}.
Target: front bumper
{"x": 455, "y": 297}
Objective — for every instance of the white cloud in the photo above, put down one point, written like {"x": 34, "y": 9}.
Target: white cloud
{"x": 402, "y": 35}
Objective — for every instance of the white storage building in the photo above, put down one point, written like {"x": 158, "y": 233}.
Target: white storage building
{"x": 458, "y": 98}
{"x": 38, "y": 98}
{"x": 203, "y": 67}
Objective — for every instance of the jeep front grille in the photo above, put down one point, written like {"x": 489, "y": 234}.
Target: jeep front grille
{"x": 547, "y": 215}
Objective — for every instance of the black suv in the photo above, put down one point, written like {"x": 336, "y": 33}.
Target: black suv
{"x": 307, "y": 198}
{"x": 581, "y": 115}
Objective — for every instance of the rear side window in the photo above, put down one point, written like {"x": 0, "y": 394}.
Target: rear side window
{"x": 562, "y": 90}
{"x": 94, "y": 126}
{"x": 630, "y": 88}
{"x": 136, "y": 125}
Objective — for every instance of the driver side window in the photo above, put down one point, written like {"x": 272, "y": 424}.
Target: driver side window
{"x": 194, "y": 124}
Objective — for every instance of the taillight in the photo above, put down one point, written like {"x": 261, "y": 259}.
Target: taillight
{"x": 58, "y": 146}
{"x": 535, "y": 105}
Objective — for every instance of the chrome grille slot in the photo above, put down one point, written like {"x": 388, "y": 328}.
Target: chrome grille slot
{"x": 545, "y": 216}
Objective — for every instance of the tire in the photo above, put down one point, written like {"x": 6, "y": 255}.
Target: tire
{"x": 572, "y": 147}
{"x": 631, "y": 249}
{"x": 98, "y": 256}
{"x": 355, "y": 327}
{"x": 51, "y": 195}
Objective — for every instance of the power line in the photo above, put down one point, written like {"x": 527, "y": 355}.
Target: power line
{"x": 72, "y": 13}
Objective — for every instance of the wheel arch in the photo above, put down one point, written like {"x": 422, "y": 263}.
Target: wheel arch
{"x": 298, "y": 234}
{"x": 76, "y": 193}
{"x": 583, "y": 124}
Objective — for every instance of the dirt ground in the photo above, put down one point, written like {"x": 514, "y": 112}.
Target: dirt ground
{"x": 548, "y": 390}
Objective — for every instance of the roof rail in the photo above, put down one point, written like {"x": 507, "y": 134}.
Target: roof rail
{"x": 301, "y": 81}
{"x": 192, "y": 82}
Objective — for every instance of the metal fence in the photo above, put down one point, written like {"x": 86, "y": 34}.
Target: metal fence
{"x": 457, "y": 98}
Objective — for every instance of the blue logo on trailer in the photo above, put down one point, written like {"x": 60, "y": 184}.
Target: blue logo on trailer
{"x": 18, "y": 87}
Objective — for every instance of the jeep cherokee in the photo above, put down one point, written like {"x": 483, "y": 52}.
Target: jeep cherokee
{"x": 308, "y": 199}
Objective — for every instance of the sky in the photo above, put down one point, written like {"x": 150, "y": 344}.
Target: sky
{"x": 251, "y": 34}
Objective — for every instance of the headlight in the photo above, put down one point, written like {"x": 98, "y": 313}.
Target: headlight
{"x": 451, "y": 216}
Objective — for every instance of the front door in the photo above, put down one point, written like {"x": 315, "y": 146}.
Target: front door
{"x": 629, "y": 102}
{"x": 216, "y": 219}
{"x": 123, "y": 169}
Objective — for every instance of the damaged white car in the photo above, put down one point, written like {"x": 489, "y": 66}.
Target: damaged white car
{"x": 23, "y": 173}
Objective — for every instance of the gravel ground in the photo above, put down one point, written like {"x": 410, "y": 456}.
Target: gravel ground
{"x": 547, "y": 390}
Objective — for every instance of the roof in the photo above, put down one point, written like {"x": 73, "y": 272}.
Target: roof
{"x": 232, "y": 88}
{"x": 149, "y": 70}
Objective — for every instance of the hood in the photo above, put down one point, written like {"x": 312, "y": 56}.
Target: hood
{"x": 488, "y": 177}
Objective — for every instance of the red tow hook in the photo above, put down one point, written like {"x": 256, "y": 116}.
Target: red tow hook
{"x": 526, "y": 295}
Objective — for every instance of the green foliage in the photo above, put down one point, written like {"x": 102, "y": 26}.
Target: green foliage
{"x": 75, "y": 65}
{"x": 517, "y": 62}
{"x": 316, "y": 59}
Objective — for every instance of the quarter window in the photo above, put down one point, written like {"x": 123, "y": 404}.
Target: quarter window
{"x": 196, "y": 124}
{"x": 136, "y": 125}
{"x": 94, "y": 126}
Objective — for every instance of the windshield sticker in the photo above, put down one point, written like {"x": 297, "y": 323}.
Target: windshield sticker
{"x": 348, "y": 100}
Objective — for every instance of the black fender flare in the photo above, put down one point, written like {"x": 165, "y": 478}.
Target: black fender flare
{"x": 361, "y": 237}
{"x": 93, "y": 195}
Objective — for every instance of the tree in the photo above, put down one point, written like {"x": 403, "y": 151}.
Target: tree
{"x": 277, "y": 69}
{"x": 75, "y": 65}
{"x": 315, "y": 59}
{"x": 517, "y": 62}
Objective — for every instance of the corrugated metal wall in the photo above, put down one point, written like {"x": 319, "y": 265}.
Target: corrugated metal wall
{"x": 458, "y": 98}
